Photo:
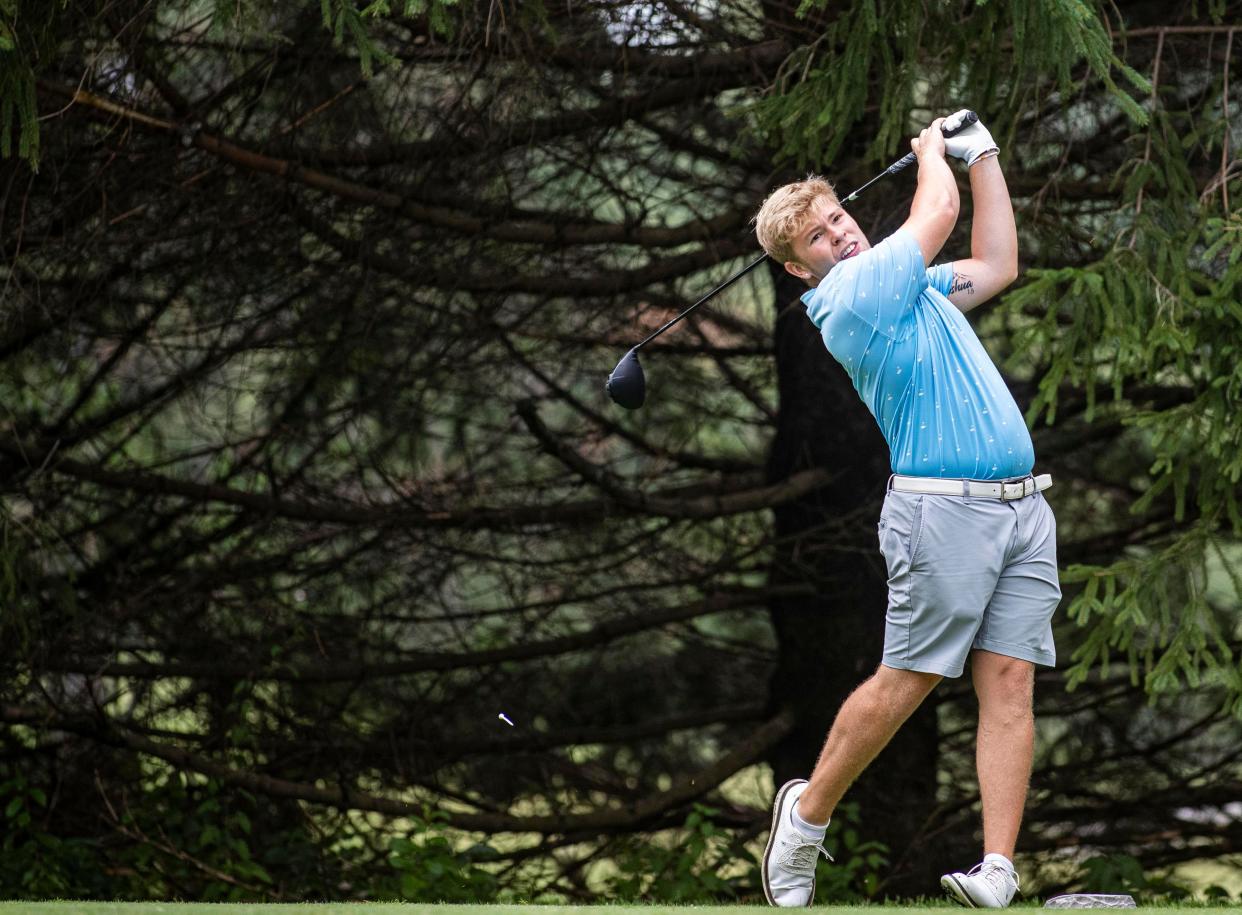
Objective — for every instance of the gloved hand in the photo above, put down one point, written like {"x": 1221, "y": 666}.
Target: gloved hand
{"x": 970, "y": 144}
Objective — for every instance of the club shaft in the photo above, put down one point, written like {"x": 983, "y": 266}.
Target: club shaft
{"x": 907, "y": 159}
{"x": 733, "y": 279}
{"x": 910, "y": 157}
{"x": 892, "y": 169}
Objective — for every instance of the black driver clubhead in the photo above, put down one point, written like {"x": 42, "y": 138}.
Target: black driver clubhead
{"x": 626, "y": 385}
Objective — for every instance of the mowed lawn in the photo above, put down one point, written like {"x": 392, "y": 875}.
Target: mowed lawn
{"x": 398, "y": 908}
{"x": 394, "y": 908}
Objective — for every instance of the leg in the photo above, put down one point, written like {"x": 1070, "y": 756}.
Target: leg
{"x": 1006, "y": 744}
{"x": 1017, "y": 621}
{"x": 1003, "y": 753}
{"x": 865, "y": 724}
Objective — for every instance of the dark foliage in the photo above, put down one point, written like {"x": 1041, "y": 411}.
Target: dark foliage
{"x": 330, "y": 572}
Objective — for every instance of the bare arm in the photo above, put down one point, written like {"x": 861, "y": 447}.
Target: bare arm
{"x": 993, "y": 262}
{"x": 933, "y": 212}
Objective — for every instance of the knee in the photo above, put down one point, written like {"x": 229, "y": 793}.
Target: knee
{"x": 1006, "y": 689}
{"x": 904, "y": 687}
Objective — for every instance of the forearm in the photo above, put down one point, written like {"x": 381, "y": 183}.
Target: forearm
{"x": 993, "y": 235}
{"x": 933, "y": 212}
{"x": 937, "y": 189}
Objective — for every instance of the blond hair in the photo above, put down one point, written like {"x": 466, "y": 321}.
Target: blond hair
{"x": 782, "y": 214}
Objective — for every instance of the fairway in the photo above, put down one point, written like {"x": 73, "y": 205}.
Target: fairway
{"x": 396, "y": 908}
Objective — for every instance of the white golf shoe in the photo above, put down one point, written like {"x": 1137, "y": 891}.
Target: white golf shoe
{"x": 790, "y": 857}
{"x": 989, "y": 885}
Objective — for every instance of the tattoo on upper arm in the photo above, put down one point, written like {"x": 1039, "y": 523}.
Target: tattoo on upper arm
{"x": 962, "y": 283}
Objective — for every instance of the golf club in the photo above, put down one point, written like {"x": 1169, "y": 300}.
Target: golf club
{"x": 627, "y": 385}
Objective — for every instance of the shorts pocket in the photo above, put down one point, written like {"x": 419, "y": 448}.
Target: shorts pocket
{"x": 916, "y": 531}
{"x": 899, "y": 529}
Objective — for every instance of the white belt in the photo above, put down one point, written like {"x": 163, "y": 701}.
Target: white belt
{"x": 1005, "y": 490}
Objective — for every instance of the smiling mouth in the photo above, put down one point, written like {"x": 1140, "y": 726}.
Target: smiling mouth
{"x": 850, "y": 250}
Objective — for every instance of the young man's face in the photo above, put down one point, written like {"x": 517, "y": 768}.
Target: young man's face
{"x": 827, "y": 236}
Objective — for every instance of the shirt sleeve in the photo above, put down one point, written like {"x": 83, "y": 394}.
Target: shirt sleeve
{"x": 940, "y": 278}
{"x": 878, "y": 286}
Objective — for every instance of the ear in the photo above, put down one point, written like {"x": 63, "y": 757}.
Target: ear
{"x": 797, "y": 270}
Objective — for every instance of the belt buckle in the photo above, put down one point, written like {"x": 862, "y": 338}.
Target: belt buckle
{"x": 1028, "y": 489}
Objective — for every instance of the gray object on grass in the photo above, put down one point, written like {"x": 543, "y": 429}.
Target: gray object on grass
{"x": 1091, "y": 901}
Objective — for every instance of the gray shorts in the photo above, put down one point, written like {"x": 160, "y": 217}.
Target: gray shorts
{"x": 967, "y": 573}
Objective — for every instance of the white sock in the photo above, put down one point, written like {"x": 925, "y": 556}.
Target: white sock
{"x": 810, "y": 830}
{"x": 995, "y": 858}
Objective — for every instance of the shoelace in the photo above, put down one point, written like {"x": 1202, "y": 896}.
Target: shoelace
{"x": 802, "y": 857}
{"x": 996, "y": 875}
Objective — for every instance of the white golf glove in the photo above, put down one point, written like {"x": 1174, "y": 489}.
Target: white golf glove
{"x": 971, "y": 143}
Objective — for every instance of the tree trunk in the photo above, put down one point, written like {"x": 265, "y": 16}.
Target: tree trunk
{"x": 830, "y": 643}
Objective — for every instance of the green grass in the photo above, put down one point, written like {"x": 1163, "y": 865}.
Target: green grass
{"x": 393, "y": 908}
{"x": 396, "y": 908}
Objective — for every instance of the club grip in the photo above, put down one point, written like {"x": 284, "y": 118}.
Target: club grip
{"x": 967, "y": 119}
{"x": 908, "y": 159}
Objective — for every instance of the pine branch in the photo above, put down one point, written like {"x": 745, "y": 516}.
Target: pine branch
{"x": 531, "y": 741}
{"x": 522, "y": 230}
{"x": 683, "y": 791}
{"x": 605, "y": 284}
{"x": 790, "y": 490}
{"x": 730, "y": 499}
{"x": 601, "y": 633}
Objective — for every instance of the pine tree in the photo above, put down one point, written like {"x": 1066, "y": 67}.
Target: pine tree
{"x": 328, "y": 568}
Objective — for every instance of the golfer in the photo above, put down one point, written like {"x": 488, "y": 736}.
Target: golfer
{"x": 969, "y": 541}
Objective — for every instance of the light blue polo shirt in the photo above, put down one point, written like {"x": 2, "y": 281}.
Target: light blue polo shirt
{"x": 918, "y": 365}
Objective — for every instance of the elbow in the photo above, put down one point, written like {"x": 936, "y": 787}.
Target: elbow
{"x": 946, "y": 212}
{"x": 1002, "y": 267}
